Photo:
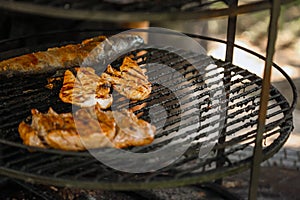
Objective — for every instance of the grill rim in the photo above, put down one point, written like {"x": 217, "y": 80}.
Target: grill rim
{"x": 124, "y": 186}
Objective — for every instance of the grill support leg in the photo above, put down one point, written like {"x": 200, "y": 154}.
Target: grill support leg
{"x": 231, "y": 30}
{"x": 257, "y": 152}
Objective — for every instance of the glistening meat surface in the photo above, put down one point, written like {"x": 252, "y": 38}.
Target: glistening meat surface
{"x": 130, "y": 81}
{"x": 88, "y": 128}
{"x": 86, "y": 89}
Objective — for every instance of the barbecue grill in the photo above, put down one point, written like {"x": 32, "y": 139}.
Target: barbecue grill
{"x": 20, "y": 92}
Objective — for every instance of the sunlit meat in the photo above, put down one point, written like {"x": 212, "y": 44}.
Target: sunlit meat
{"x": 86, "y": 89}
{"x": 130, "y": 81}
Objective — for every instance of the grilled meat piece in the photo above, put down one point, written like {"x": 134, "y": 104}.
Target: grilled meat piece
{"x": 112, "y": 48}
{"x": 29, "y": 135}
{"x": 86, "y": 133}
{"x": 130, "y": 81}
{"x": 97, "y": 50}
{"x": 89, "y": 128}
{"x": 57, "y": 57}
{"x": 86, "y": 89}
{"x": 132, "y": 131}
{"x": 61, "y": 132}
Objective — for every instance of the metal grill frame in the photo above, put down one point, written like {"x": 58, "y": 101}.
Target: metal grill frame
{"x": 169, "y": 10}
{"x": 222, "y": 171}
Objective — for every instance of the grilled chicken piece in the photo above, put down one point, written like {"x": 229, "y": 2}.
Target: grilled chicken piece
{"x": 41, "y": 125}
{"x": 30, "y": 136}
{"x": 94, "y": 51}
{"x": 132, "y": 131}
{"x": 85, "y": 131}
{"x": 79, "y": 133}
{"x": 88, "y": 128}
{"x": 130, "y": 81}
{"x": 61, "y": 131}
{"x": 89, "y": 133}
{"x": 86, "y": 90}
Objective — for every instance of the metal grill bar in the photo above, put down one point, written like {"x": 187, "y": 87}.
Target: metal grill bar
{"x": 245, "y": 137}
{"x": 39, "y": 162}
{"x": 43, "y": 195}
{"x": 85, "y": 172}
{"x": 136, "y": 11}
{"x": 9, "y": 155}
{"x": 129, "y": 7}
{"x": 232, "y": 151}
{"x": 73, "y": 167}
{"x": 18, "y": 161}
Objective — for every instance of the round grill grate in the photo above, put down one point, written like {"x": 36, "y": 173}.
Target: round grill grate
{"x": 21, "y": 92}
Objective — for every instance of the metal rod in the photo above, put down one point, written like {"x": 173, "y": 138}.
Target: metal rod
{"x": 123, "y": 16}
{"x": 231, "y": 31}
{"x": 257, "y": 157}
{"x": 41, "y": 194}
